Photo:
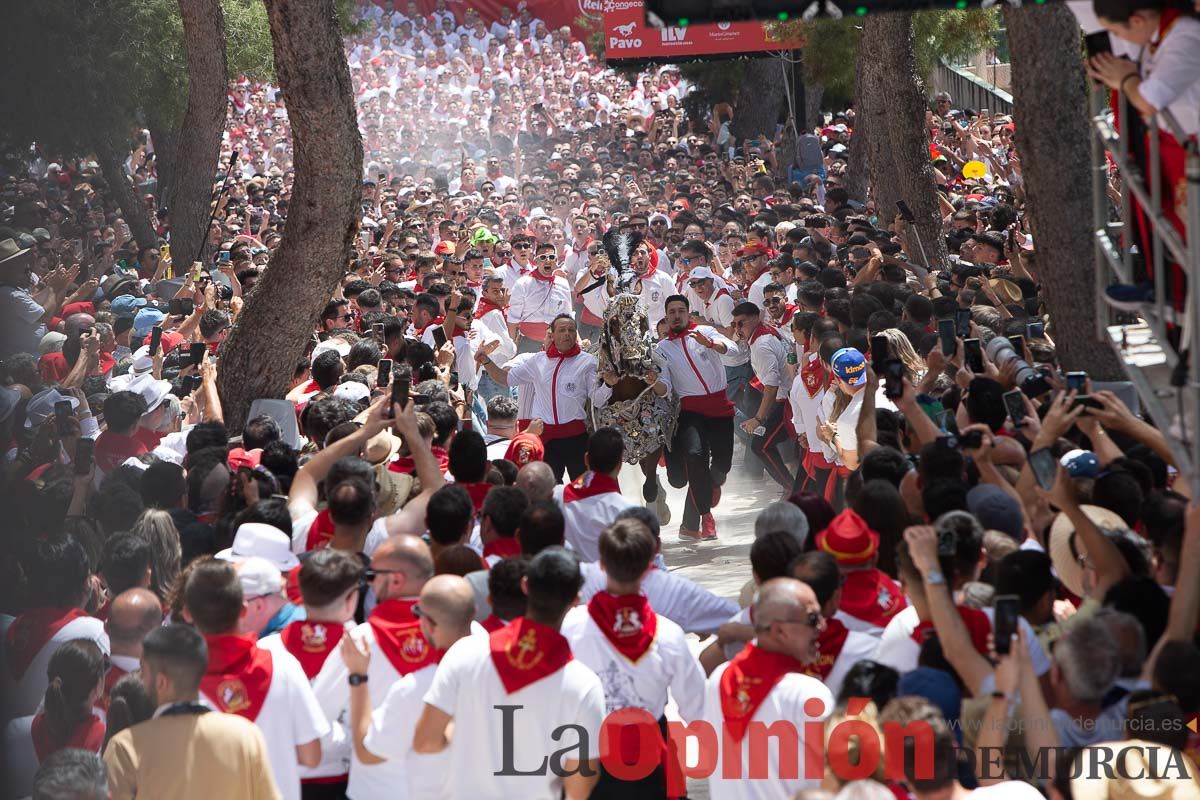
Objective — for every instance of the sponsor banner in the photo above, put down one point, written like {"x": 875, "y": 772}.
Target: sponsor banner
{"x": 555, "y": 13}
{"x": 627, "y": 37}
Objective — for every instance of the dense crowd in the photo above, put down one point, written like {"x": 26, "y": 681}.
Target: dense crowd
{"x": 427, "y": 570}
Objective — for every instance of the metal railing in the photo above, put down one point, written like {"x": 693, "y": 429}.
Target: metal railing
{"x": 1150, "y": 349}
{"x": 969, "y": 90}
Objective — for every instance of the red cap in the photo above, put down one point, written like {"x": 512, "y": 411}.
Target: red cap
{"x": 525, "y": 447}
{"x": 239, "y": 458}
{"x": 755, "y": 249}
{"x": 443, "y": 248}
{"x": 77, "y": 308}
{"x": 848, "y": 539}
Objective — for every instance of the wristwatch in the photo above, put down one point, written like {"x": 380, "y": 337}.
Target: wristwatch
{"x": 934, "y": 577}
{"x": 357, "y": 679}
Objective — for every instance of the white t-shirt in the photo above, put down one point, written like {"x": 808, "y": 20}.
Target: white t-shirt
{"x": 847, "y": 422}
{"x": 290, "y": 716}
{"x": 404, "y": 774}
{"x": 691, "y": 606}
{"x": 468, "y": 688}
{"x": 23, "y": 696}
{"x": 587, "y": 517}
{"x": 898, "y": 650}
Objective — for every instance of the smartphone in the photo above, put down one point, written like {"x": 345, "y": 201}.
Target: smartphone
{"x": 401, "y": 383}
{"x": 377, "y": 329}
{"x": 181, "y": 306}
{"x": 906, "y": 213}
{"x": 973, "y": 354}
{"x": 893, "y": 378}
{"x": 1096, "y": 43}
{"x": 383, "y": 376}
{"x": 1077, "y": 381}
{"x": 164, "y": 251}
{"x": 224, "y": 257}
{"x": 366, "y": 238}
{"x": 1045, "y": 467}
{"x": 439, "y": 337}
{"x": 85, "y": 451}
{"x": 1006, "y": 619}
{"x": 1035, "y": 330}
{"x": 197, "y": 270}
{"x": 98, "y": 249}
{"x": 879, "y": 352}
{"x": 962, "y": 321}
{"x": 197, "y": 353}
{"x": 155, "y": 340}
{"x": 946, "y": 334}
{"x": 1018, "y": 343}
{"x": 984, "y": 114}
{"x": 62, "y": 413}
{"x": 1087, "y": 401}
{"x": 1014, "y": 403}
{"x": 194, "y": 382}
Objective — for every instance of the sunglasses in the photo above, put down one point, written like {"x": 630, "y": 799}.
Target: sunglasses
{"x": 812, "y": 620}
{"x": 522, "y": 247}
{"x": 677, "y": 208}
{"x": 546, "y": 257}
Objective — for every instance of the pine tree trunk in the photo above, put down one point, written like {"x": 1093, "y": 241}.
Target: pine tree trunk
{"x": 1050, "y": 111}
{"x": 757, "y": 109}
{"x": 165, "y": 141}
{"x": 112, "y": 166}
{"x": 863, "y": 141}
{"x": 258, "y": 358}
{"x": 900, "y": 165}
{"x": 198, "y": 143}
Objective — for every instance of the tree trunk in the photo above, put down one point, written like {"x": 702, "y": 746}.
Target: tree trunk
{"x": 1050, "y": 111}
{"x": 165, "y": 141}
{"x": 198, "y": 146}
{"x": 813, "y": 93}
{"x": 903, "y": 169}
{"x": 112, "y": 166}
{"x": 863, "y": 142}
{"x": 260, "y": 355}
{"x": 757, "y": 110}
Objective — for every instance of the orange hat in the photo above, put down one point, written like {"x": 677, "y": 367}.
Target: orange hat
{"x": 525, "y": 447}
{"x": 443, "y": 248}
{"x": 848, "y": 539}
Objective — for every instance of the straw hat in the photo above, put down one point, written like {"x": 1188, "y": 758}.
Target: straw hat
{"x": 1064, "y": 550}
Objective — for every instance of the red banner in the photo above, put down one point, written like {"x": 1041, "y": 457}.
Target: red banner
{"x": 555, "y": 13}
{"x": 627, "y": 37}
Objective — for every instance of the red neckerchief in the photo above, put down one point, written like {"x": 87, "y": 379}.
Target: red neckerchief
{"x": 683, "y": 333}
{"x": 589, "y": 484}
{"x": 789, "y": 311}
{"x": 311, "y": 643}
{"x": 502, "y": 547}
{"x": 525, "y": 651}
{"x": 764, "y": 329}
{"x": 1166, "y": 21}
{"x": 746, "y": 682}
{"x": 111, "y": 677}
{"x": 398, "y": 634}
{"x": 812, "y": 374}
{"x": 30, "y": 632}
{"x": 720, "y": 292}
{"x": 438, "y": 320}
{"x": 652, "y": 267}
{"x": 487, "y": 306}
{"x": 312, "y": 387}
{"x": 239, "y": 674}
{"x": 830, "y": 644}
{"x": 977, "y": 622}
{"x": 477, "y": 491}
{"x": 87, "y": 735}
{"x": 626, "y": 621}
{"x": 492, "y": 623}
{"x": 553, "y": 352}
{"x": 538, "y": 276}
{"x": 320, "y": 533}
{"x": 406, "y": 464}
{"x": 871, "y": 596}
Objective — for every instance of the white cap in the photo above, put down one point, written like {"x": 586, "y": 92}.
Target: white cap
{"x": 259, "y": 577}
{"x": 260, "y": 540}
{"x": 701, "y": 274}
{"x": 41, "y": 406}
{"x": 353, "y": 391}
{"x": 142, "y": 362}
{"x": 337, "y": 345}
{"x": 152, "y": 391}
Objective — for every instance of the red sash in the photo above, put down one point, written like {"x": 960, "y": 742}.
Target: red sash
{"x": 871, "y": 596}
{"x": 502, "y": 547}
{"x": 492, "y": 623}
{"x": 628, "y": 622}
{"x": 311, "y": 643}
{"x": 524, "y": 651}
{"x": 398, "y": 635}
{"x": 486, "y": 306}
{"x": 977, "y": 622}
{"x": 589, "y": 484}
{"x": 477, "y": 491}
{"x": 830, "y": 644}
{"x": 30, "y": 632}
{"x": 239, "y": 674}
{"x": 588, "y": 318}
{"x": 747, "y": 681}
{"x": 87, "y": 735}
{"x": 320, "y": 533}
{"x": 713, "y": 404}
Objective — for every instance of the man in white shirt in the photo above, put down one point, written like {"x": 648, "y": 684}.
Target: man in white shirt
{"x": 764, "y": 684}
{"x": 654, "y": 285}
{"x": 757, "y": 273}
{"x": 807, "y": 398}
{"x": 765, "y": 400}
{"x": 701, "y": 453}
{"x": 385, "y": 735}
{"x": 636, "y": 653}
{"x": 511, "y": 695}
{"x": 265, "y": 685}
{"x": 537, "y": 298}
{"x": 561, "y": 379}
{"x": 592, "y": 501}
{"x": 491, "y": 325}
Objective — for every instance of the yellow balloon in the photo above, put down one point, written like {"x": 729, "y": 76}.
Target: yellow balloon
{"x": 974, "y": 169}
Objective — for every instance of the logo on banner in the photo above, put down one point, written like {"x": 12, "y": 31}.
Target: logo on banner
{"x": 591, "y": 8}
{"x": 724, "y": 26}
{"x": 625, "y": 42}
{"x": 673, "y": 35}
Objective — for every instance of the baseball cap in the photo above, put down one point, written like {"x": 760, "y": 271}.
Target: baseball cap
{"x": 996, "y": 510}
{"x": 850, "y": 365}
{"x": 258, "y": 541}
{"x": 337, "y": 345}
{"x": 353, "y": 391}
{"x": 701, "y": 274}
{"x": 146, "y": 319}
{"x": 238, "y": 458}
{"x": 151, "y": 390}
{"x": 258, "y": 576}
{"x": 443, "y": 248}
{"x": 1081, "y": 463}
{"x": 127, "y": 304}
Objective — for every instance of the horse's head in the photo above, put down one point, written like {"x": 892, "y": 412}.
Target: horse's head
{"x": 626, "y": 327}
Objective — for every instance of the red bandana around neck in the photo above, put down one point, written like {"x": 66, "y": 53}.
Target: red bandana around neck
{"x": 763, "y": 330}
{"x": 486, "y": 306}
{"x": 406, "y": 464}
{"x": 312, "y": 387}
{"x": 30, "y": 632}
{"x": 589, "y": 484}
{"x": 538, "y": 276}
{"x": 492, "y": 623}
{"x": 525, "y": 651}
{"x": 627, "y": 621}
{"x": 477, "y": 491}
{"x": 239, "y": 674}
{"x": 87, "y": 735}
{"x": 813, "y": 376}
{"x": 502, "y": 547}
{"x": 978, "y": 626}
{"x": 438, "y": 320}
{"x": 871, "y": 596}
{"x": 747, "y": 681}
{"x": 553, "y": 352}
{"x": 311, "y": 643}
{"x": 398, "y": 635}
{"x": 683, "y": 333}
{"x": 320, "y": 533}
{"x": 830, "y": 644}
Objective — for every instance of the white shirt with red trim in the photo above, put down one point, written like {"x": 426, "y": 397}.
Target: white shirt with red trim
{"x": 560, "y": 386}
{"x": 468, "y": 688}
{"x": 512, "y": 273}
{"x": 668, "y": 664}
{"x": 653, "y": 299}
{"x": 806, "y": 397}
{"x": 755, "y": 293}
{"x": 719, "y": 311}
{"x": 768, "y": 358}
{"x": 404, "y": 774}
{"x": 535, "y": 300}
{"x": 694, "y": 369}
{"x": 690, "y": 605}
{"x": 899, "y": 650}
{"x": 858, "y": 646}
{"x": 22, "y": 696}
{"x": 464, "y": 361}
{"x": 290, "y": 716}
{"x": 586, "y": 517}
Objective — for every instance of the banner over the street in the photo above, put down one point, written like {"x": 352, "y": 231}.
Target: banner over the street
{"x": 627, "y": 37}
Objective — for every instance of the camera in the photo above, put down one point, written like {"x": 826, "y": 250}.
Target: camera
{"x": 1001, "y": 351}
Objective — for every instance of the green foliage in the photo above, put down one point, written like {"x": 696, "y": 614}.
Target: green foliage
{"x": 248, "y": 49}
{"x": 952, "y": 34}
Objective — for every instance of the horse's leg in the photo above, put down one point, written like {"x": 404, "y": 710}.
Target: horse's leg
{"x": 651, "y": 490}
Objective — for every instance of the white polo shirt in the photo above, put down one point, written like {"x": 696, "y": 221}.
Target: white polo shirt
{"x": 539, "y": 301}
{"x": 586, "y": 517}
{"x": 404, "y": 774}
{"x": 668, "y": 664}
{"x": 468, "y": 688}
{"x": 560, "y": 385}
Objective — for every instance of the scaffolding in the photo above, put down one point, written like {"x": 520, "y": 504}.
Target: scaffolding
{"x": 1164, "y": 369}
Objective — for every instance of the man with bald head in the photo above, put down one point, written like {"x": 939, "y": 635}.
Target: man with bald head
{"x": 131, "y": 616}
{"x": 537, "y": 481}
{"x": 764, "y": 684}
{"x": 383, "y": 739}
